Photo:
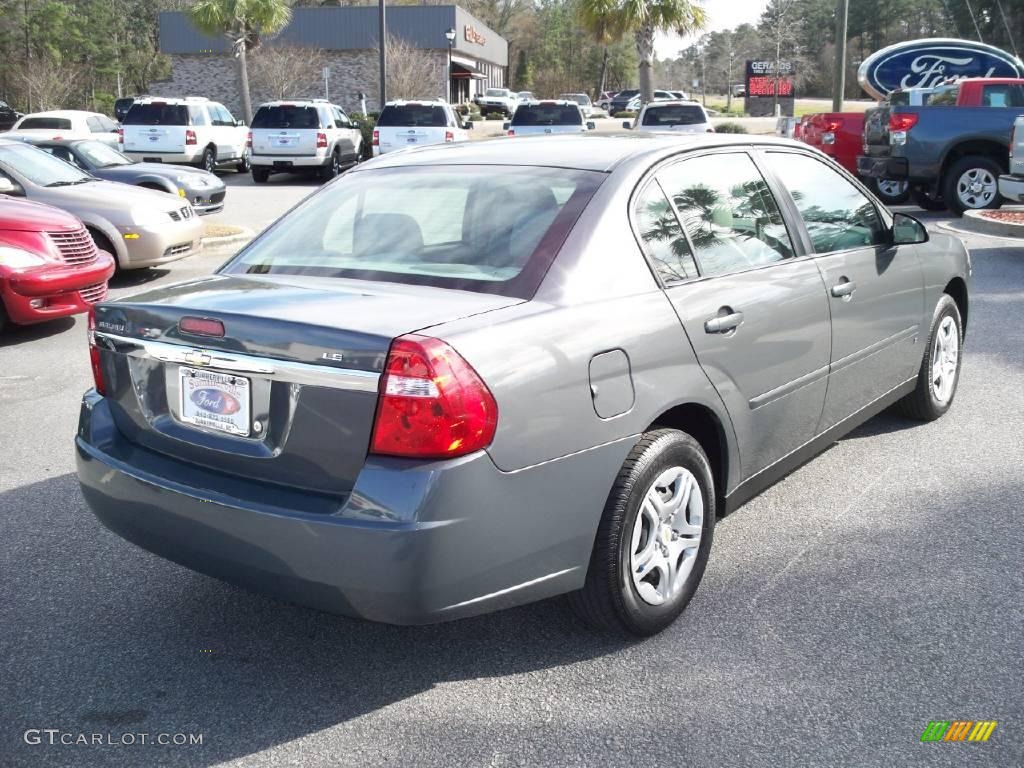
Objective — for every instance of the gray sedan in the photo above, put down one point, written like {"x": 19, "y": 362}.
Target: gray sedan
{"x": 468, "y": 377}
{"x": 204, "y": 190}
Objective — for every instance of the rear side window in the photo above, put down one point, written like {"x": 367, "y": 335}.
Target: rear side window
{"x": 662, "y": 237}
{"x": 548, "y": 114}
{"x": 728, "y": 212}
{"x": 674, "y": 115}
{"x": 838, "y": 216}
{"x": 286, "y": 116}
{"x": 157, "y": 113}
{"x": 413, "y": 116}
{"x": 45, "y": 123}
{"x": 1003, "y": 95}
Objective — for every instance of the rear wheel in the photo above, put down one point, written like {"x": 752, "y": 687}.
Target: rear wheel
{"x": 972, "y": 184}
{"x": 260, "y": 175}
{"x": 209, "y": 161}
{"x": 939, "y": 374}
{"x": 654, "y": 537}
{"x": 332, "y": 169}
{"x": 923, "y": 199}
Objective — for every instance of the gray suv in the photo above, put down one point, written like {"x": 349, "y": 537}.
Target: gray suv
{"x": 468, "y": 377}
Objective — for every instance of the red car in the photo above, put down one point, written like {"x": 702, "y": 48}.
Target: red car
{"x": 49, "y": 265}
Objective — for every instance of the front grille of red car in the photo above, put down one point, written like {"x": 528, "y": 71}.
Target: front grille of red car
{"x": 75, "y": 247}
{"x": 93, "y": 293}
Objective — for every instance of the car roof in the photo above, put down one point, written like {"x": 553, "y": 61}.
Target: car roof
{"x": 403, "y": 102}
{"x": 281, "y": 102}
{"x": 64, "y": 113}
{"x": 584, "y": 151}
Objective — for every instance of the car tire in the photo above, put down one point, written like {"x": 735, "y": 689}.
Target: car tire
{"x": 890, "y": 191}
{"x": 260, "y": 175}
{"x": 243, "y": 165}
{"x": 923, "y": 199}
{"x": 972, "y": 183}
{"x": 939, "y": 373}
{"x": 332, "y": 169}
{"x": 104, "y": 244}
{"x": 209, "y": 161}
{"x": 632, "y": 535}
{"x": 4, "y": 321}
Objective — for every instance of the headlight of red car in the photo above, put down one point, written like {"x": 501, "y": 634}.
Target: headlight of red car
{"x": 16, "y": 258}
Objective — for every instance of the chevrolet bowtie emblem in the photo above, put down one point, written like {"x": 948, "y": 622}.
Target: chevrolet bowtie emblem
{"x": 197, "y": 357}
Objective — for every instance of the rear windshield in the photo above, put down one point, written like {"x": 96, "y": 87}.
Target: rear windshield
{"x": 413, "y": 115}
{"x": 45, "y": 123}
{"x": 680, "y": 114}
{"x": 548, "y": 114}
{"x": 467, "y": 227}
{"x": 287, "y": 117}
{"x": 497, "y": 92}
{"x": 157, "y": 113}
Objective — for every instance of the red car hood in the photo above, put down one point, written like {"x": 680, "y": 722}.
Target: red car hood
{"x": 24, "y": 216}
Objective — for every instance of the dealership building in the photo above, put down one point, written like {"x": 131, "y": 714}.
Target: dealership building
{"x": 347, "y": 36}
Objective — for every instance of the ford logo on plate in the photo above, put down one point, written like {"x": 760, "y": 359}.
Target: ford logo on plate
{"x": 926, "y": 63}
{"x": 216, "y": 401}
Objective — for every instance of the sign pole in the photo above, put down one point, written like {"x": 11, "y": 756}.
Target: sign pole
{"x": 839, "y": 79}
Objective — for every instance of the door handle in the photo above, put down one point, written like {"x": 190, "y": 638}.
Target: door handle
{"x": 844, "y": 288}
{"x": 723, "y": 323}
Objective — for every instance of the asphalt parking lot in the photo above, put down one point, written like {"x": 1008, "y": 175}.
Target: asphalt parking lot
{"x": 875, "y": 589}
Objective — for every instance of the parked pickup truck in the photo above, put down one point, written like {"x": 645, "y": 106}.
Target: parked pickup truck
{"x": 951, "y": 151}
{"x": 838, "y": 135}
{"x": 1011, "y": 185}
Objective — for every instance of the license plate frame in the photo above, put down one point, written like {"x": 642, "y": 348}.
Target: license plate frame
{"x": 214, "y": 401}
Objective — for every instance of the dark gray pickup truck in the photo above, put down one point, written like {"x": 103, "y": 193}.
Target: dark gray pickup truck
{"x": 952, "y": 156}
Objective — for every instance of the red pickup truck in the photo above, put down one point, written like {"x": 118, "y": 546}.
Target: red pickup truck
{"x": 838, "y": 135}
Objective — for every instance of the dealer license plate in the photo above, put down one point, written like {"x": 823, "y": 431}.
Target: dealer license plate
{"x": 217, "y": 401}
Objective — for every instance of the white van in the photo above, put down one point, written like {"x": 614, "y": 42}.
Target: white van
{"x": 297, "y": 135}
{"x": 191, "y": 130}
{"x": 417, "y": 123}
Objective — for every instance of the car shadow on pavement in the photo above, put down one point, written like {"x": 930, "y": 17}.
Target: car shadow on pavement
{"x": 134, "y": 277}
{"x": 104, "y": 637}
{"x": 13, "y": 335}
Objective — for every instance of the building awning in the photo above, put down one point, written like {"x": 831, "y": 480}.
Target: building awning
{"x": 466, "y": 72}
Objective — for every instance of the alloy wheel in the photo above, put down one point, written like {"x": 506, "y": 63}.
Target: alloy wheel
{"x": 976, "y": 188}
{"x": 891, "y": 187}
{"x": 666, "y": 535}
{"x": 945, "y": 359}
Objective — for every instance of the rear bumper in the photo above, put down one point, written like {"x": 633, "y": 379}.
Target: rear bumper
{"x": 161, "y": 244}
{"x": 60, "y": 290}
{"x": 191, "y": 156}
{"x": 284, "y": 162}
{"x": 895, "y": 168}
{"x": 1012, "y": 187}
{"x": 413, "y": 543}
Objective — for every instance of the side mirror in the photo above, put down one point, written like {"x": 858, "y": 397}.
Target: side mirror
{"x": 906, "y": 230}
{"x": 506, "y": 126}
{"x": 591, "y": 125}
{"x": 239, "y": 123}
{"x": 356, "y": 124}
{"x": 627, "y": 125}
{"x": 9, "y": 187}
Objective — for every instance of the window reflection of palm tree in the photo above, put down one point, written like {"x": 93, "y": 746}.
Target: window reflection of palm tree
{"x": 661, "y": 226}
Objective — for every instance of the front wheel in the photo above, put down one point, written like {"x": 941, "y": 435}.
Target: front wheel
{"x": 209, "y": 161}
{"x": 654, "y": 537}
{"x": 243, "y": 165}
{"x": 939, "y": 374}
{"x": 892, "y": 192}
{"x": 972, "y": 184}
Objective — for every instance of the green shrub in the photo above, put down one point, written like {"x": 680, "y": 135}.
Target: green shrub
{"x": 625, "y": 114}
{"x": 730, "y": 128}
{"x": 495, "y": 116}
{"x": 366, "y": 125}
{"x": 475, "y": 117}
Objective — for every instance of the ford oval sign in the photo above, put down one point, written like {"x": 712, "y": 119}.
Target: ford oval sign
{"x": 216, "y": 401}
{"x": 926, "y": 63}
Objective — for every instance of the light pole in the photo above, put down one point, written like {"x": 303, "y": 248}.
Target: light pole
{"x": 450, "y": 34}
{"x": 839, "y": 77}
{"x": 382, "y": 39}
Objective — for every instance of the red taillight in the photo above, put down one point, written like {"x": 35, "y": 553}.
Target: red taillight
{"x": 201, "y": 326}
{"x": 432, "y": 403}
{"x": 831, "y": 126}
{"x": 120, "y": 135}
{"x": 321, "y": 141}
{"x": 248, "y": 140}
{"x": 190, "y": 137}
{"x": 376, "y": 138}
{"x": 511, "y": 132}
{"x": 94, "y": 355}
{"x": 903, "y": 121}
{"x": 449, "y": 136}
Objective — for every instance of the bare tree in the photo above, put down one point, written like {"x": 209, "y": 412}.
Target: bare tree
{"x": 413, "y": 72}
{"x": 48, "y": 83}
{"x": 288, "y": 71}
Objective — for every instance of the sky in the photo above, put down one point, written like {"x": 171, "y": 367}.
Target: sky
{"x": 724, "y": 14}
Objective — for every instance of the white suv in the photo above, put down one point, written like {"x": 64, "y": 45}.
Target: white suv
{"x": 672, "y": 116}
{"x": 404, "y": 124}
{"x": 192, "y": 130}
{"x": 303, "y": 135}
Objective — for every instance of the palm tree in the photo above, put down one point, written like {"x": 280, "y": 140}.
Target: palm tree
{"x": 614, "y": 19}
{"x": 243, "y": 22}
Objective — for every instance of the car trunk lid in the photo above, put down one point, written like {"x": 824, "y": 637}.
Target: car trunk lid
{"x": 288, "y": 394}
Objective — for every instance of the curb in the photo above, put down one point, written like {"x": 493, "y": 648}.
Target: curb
{"x": 974, "y": 223}
{"x": 216, "y": 242}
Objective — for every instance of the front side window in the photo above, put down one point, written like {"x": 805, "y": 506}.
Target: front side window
{"x": 662, "y": 237}
{"x": 548, "y": 114}
{"x": 838, "y": 216}
{"x": 728, "y": 212}
{"x": 94, "y": 125}
{"x": 468, "y": 227}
